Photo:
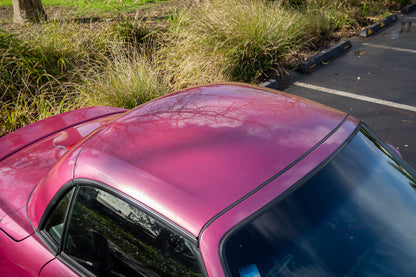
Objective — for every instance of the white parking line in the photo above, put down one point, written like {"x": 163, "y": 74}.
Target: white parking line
{"x": 390, "y": 48}
{"x": 409, "y": 18}
{"x": 358, "y": 97}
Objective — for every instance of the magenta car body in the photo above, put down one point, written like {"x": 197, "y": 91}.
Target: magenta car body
{"x": 217, "y": 180}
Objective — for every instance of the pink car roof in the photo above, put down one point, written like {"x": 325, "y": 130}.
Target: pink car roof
{"x": 192, "y": 154}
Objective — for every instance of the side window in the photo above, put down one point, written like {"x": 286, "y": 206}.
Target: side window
{"x": 111, "y": 237}
{"x": 55, "y": 224}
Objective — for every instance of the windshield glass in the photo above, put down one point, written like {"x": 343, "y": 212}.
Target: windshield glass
{"x": 355, "y": 217}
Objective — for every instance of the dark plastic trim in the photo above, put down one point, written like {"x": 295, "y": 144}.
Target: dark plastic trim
{"x": 279, "y": 198}
{"x": 324, "y": 56}
{"x": 273, "y": 177}
{"x": 54, "y": 201}
{"x": 165, "y": 221}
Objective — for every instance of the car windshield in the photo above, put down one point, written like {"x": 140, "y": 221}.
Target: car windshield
{"x": 354, "y": 217}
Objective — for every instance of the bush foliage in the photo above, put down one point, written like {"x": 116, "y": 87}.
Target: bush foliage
{"x": 125, "y": 61}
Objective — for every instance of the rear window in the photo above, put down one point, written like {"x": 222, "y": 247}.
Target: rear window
{"x": 355, "y": 217}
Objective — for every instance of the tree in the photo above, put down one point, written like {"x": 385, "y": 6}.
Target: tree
{"x": 28, "y": 11}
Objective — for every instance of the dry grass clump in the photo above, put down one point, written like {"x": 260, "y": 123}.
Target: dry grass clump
{"x": 58, "y": 67}
{"x": 126, "y": 80}
{"x": 238, "y": 40}
{"x": 33, "y": 83}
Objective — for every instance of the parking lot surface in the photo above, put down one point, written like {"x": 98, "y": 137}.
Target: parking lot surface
{"x": 374, "y": 81}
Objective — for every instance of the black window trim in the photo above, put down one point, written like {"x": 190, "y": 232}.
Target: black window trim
{"x": 163, "y": 220}
{"x": 361, "y": 127}
{"x": 346, "y": 117}
{"x": 83, "y": 182}
{"x": 54, "y": 201}
{"x": 41, "y": 233}
{"x": 294, "y": 187}
{"x": 74, "y": 265}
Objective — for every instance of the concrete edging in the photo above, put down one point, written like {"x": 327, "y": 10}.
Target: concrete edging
{"x": 271, "y": 83}
{"x": 408, "y": 8}
{"x": 328, "y": 54}
{"x": 324, "y": 56}
{"x": 378, "y": 26}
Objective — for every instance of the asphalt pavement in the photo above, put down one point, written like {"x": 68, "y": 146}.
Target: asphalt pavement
{"x": 375, "y": 81}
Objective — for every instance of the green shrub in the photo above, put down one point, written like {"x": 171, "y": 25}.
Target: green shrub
{"x": 57, "y": 67}
{"x": 230, "y": 40}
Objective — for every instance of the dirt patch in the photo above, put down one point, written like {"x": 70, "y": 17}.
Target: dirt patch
{"x": 54, "y": 13}
{"x": 154, "y": 13}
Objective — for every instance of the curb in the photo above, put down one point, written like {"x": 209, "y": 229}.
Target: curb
{"x": 271, "y": 83}
{"x": 324, "y": 56}
{"x": 378, "y": 26}
{"x": 327, "y": 54}
{"x": 409, "y": 8}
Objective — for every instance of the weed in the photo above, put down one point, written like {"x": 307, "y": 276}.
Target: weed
{"x": 126, "y": 81}
{"x": 27, "y": 108}
{"x": 23, "y": 69}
